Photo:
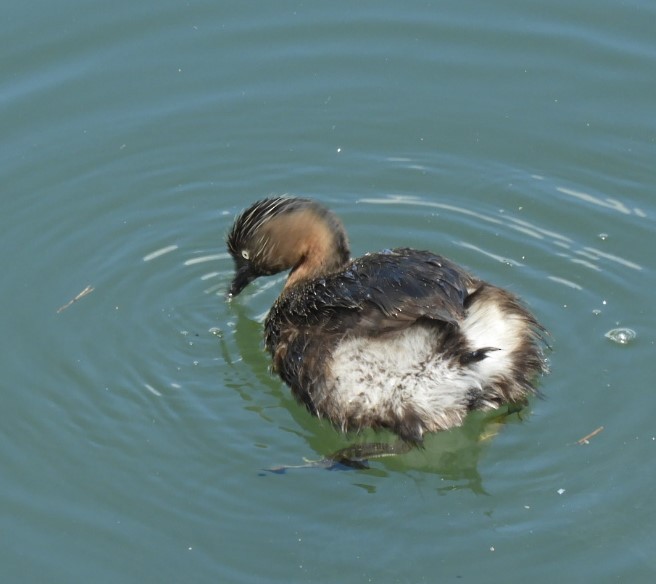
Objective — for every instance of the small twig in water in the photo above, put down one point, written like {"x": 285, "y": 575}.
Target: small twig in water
{"x": 82, "y": 294}
{"x": 586, "y": 439}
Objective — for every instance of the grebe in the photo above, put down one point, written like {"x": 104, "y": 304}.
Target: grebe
{"x": 404, "y": 340}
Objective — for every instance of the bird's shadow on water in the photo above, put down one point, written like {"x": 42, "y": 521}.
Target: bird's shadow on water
{"x": 453, "y": 455}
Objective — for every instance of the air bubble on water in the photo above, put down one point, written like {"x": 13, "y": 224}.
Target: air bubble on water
{"x": 603, "y": 236}
{"x": 621, "y": 336}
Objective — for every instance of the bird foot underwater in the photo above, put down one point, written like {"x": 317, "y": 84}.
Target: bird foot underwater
{"x": 357, "y": 456}
{"x": 354, "y": 457}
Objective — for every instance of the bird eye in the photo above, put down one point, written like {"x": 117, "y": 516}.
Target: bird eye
{"x": 245, "y": 254}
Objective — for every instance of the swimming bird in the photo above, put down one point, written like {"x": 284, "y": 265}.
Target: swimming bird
{"x": 403, "y": 339}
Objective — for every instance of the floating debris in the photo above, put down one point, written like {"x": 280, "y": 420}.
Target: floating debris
{"x": 621, "y": 336}
{"x": 560, "y": 491}
{"x": 586, "y": 438}
{"x": 82, "y": 294}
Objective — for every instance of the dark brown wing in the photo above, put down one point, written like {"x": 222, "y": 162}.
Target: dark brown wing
{"x": 379, "y": 293}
